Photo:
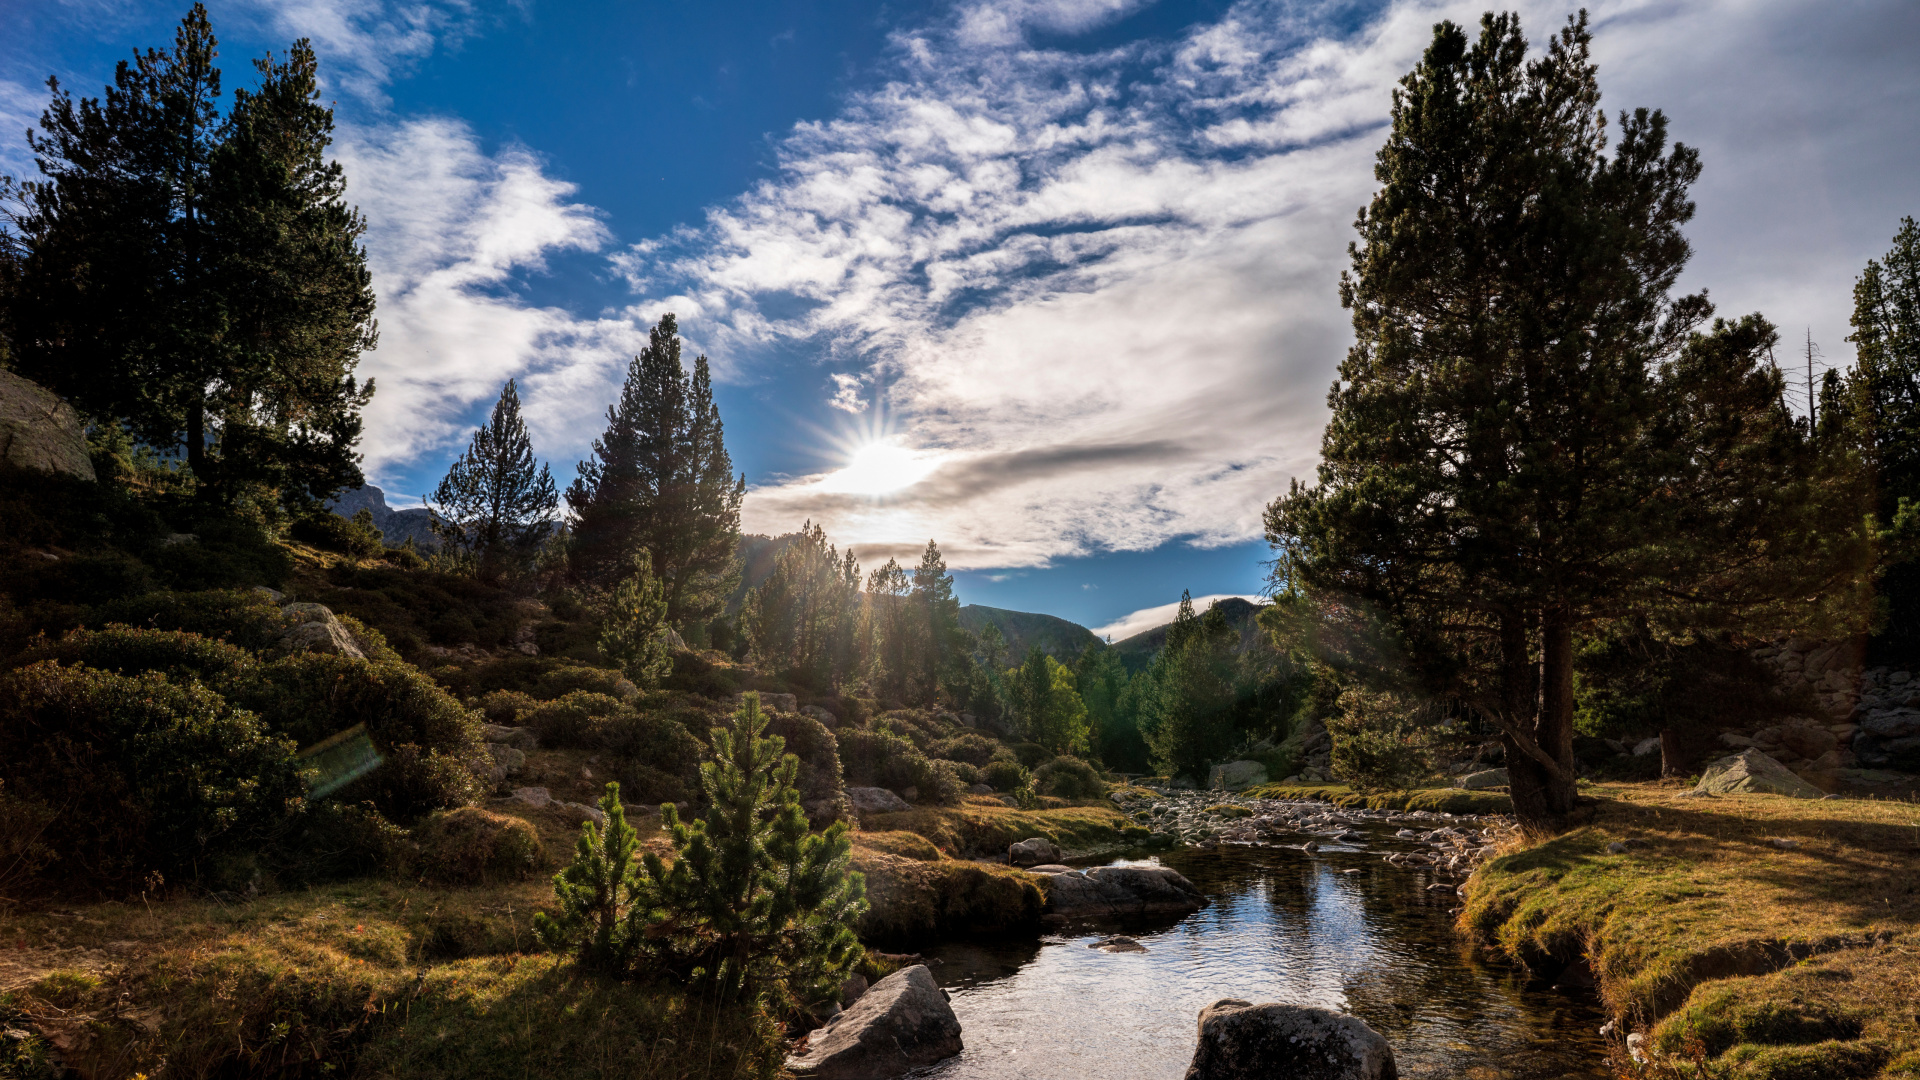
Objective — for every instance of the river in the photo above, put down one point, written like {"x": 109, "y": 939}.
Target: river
{"x": 1282, "y": 925}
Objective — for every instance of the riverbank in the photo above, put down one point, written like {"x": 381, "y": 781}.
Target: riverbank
{"x": 1750, "y": 936}
{"x": 1448, "y": 800}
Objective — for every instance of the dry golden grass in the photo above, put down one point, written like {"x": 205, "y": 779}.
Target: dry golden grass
{"x": 983, "y": 825}
{"x": 1720, "y": 906}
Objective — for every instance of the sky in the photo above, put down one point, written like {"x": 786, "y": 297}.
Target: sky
{"x": 1052, "y": 282}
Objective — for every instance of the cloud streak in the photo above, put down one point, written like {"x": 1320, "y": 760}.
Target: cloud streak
{"x": 1145, "y": 619}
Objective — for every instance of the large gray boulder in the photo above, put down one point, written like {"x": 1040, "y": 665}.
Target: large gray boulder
{"x": 1242, "y": 1041}
{"x": 1120, "y": 890}
{"x": 1484, "y": 779}
{"x": 39, "y": 431}
{"x": 876, "y": 800}
{"x": 902, "y": 1022}
{"x": 1237, "y": 776}
{"x": 1033, "y": 851}
{"x": 314, "y": 628}
{"x": 1753, "y": 772}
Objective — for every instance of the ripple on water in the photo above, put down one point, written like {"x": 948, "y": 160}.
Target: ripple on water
{"x": 1282, "y": 926}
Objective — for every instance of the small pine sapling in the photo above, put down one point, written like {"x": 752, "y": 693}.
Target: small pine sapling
{"x": 754, "y": 903}
{"x": 633, "y": 631}
{"x": 599, "y": 916}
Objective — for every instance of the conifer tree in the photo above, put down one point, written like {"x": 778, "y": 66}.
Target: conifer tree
{"x": 496, "y": 502}
{"x": 1050, "y": 710}
{"x": 1877, "y": 412}
{"x": 197, "y": 278}
{"x": 801, "y": 619}
{"x": 1191, "y": 725}
{"x": 938, "y": 639}
{"x": 1528, "y": 435}
{"x": 754, "y": 902}
{"x": 660, "y": 479}
{"x": 633, "y": 629}
{"x": 599, "y": 916}
{"x": 888, "y": 588}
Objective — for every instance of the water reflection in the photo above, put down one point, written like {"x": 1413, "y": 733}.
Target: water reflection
{"x": 1282, "y": 926}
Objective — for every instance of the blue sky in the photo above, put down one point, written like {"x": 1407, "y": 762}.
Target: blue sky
{"x": 1049, "y": 280}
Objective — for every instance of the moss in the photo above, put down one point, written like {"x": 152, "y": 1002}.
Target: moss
{"x": 1436, "y": 800}
{"x": 912, "y": 899}
{"x": 982, "y": 825}
{"x": 906, "y": 844}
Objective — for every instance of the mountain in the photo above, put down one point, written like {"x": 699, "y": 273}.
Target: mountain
{"x": 1141, "y": 648}
{"x": 395, "y": 525}
{"x": 1056, "y": 637}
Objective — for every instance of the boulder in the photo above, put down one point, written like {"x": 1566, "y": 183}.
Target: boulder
{"x": 1033, "y": 851}
{"x": 1237, "y": 776}
{"x": 313, "y": 628}
{"x": 519, "y": 738}
{"x": 1243, "y": 1041}
{"x": 1808, "y": 739}
{"x": 1120, "y": 890}
{"x": 901, "y": 1023}
{"x": 1118, "y": 943}
{"x": 536, "y": 797}
{"x": 39, "y": 431}
{"x": 980, "y": 789}
{"x": 1646, "y": 746}
{"x": 1484, "y": 779}
{"x": 826, "y": 718}
{"x": 876, "y": 800}
{"x": 1752, "y": 771}
{"x": 507, "y": 759}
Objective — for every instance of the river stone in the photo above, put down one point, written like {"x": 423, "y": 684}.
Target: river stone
{"x": 1484, "y": 779}
{"x": 1242, "y": 1041}
{"x": 1120, "y": 890}
{"x": 1033, "y": 851}
{"x": 1237, "y": 776}
{"x": 901, "y": 1023}
{"x": 876, "y": 800}
{"x": 1753, "y": 771}
{"x": 39, "y": 431}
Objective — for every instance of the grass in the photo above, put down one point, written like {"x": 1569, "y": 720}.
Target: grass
{"x": 1741, "y": 956}
{"x": 983, "y": 825}
{"x": 1439, "y": 800}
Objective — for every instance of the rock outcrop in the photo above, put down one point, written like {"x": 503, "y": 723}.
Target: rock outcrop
{"x": 1120, "y": 890}
{"x": 39, "y": 431}
{"x": 1484, "y": 779}
{"x": 901, "y": 1023}
{"x": 314, "y": 628}
{"x": 1753, "y": 771}
{"x": 1237, "y": 776}
{"x": 1243, "y": 1041}
{"x": 1033, "y": 851}
{"x": 876, "y": 800}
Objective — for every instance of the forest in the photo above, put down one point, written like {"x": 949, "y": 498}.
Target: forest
{"x": 1566, "y": 523}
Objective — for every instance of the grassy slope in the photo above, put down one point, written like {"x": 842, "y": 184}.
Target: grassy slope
{"x": 1739, "y": 956}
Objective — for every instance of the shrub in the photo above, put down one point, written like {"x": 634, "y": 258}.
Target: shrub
{"x": 899, "y": 725}
{"x": 471, "y": 846}
{"x": 507, "y": 706}
{"x": 89, "y": 578}
{"x": 1031, "y": 754}
{"x": 341, "y": 840}
{"x": 968, "y": 774}
{"x": 1003, "y": 775}
{"x": 974, "y": 749}
{"x": 372, "y": 643}
{"x": 656, "y": 751}
{"x": 243, "y": 617}
{"x": 818, "y": 751}
{"x": 1069, "y": 778}
{"x": 573, "y": 721}
{"x": 148, "y": 775}
{"x": 406, "y": 557}
{"x": 649, "y": 786}
{"x": 559, "y": 681}
{"x": 429, "y": 743}
{"x": 880, "y": 759}
{"x": 124, "y": 650}
{"x": 226, "y": 553}
{"x": 331, "y": 532}
{"x": 948, "y": 785}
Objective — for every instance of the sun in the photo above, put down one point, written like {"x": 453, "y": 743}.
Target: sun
{"x": 880, "y": 467}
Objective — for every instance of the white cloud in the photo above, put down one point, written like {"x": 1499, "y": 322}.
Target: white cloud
{"x": 449, "y": 226}
{"x": 20, "y": 108}
{"x": 1102, "y": 284}
{"x": 368, "y": 43}
{"x": 1146, "y": 619}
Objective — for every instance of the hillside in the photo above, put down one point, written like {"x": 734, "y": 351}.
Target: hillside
{"x": 1056, "y": 637}
{"x": 396, "y": 526}
{"x": 1142, "y": 647}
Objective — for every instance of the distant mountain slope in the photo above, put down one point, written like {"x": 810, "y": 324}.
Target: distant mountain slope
{"x": 1142, "y": 647}
{"x": 397, "y": 526}
{"x": 1056, "y": 637}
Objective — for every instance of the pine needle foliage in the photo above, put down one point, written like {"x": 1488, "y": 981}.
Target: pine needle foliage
{"x": 754, "y": 904}
{"x": 495, "y": 505}
{"x": 598, "y": 917}
{"x": 633, "y": 628}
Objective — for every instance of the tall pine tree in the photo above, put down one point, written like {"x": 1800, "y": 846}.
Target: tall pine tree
{"x": 496, "y": 502}
{"x": 660, "y": 479}
{"x": 200, "y": 279}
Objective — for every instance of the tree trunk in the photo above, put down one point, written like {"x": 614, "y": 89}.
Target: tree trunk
{"x": 1555, "y": 730}
{"x": 1673, "y": 760}
{"x": 1542, "y": 796}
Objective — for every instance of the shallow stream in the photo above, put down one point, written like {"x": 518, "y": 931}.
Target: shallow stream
{"x": 1282, "y": 925}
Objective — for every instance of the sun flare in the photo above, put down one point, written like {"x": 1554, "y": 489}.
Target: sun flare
{"x": 880, "y": 467}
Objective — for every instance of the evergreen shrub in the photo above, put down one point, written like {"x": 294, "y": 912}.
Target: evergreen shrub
{"x": 126, "y": 650}
{"x": 818, "y": 752}
{"x": 242, "y": 617}
{"x": 471, "y": 846}
{"x": 1003, "y": 774}
{"x": 882, "y": 759}
{"x": 1069, "y": 778}
{"x": 507, "y": 706}
{"x": 147, "y": 775}
{"x": 1031, "y": 754}
{"x": 974, "y": 749}
{"x": 335, "y": 840}
{"x": 331, "y": 532}
{"x": 572, "y": 722}
{"x": 225, "y": 553}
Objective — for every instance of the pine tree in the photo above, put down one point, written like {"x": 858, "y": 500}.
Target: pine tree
{"x": 1528, "y": 435}
{"x": 754, "y": 903}
{"x": 1877, "y": 413}
{"x": 599, "y": 894}
{"x": 939, "y": 640}
{"x": 1049, "y": 707}
{"x": 633, "y": 629}
{"x": 496, "y": 502}
{"x": 1191, "y": 725}
{"x": 660, "y": 479}
{"x": 200, "y": 279}
{"x": 893, "y": 652}
{"x": 801, "y": 619}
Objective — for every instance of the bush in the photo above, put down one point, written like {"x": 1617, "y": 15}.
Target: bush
{"x": 342, "y": 840}
{"x": 573, "y": 721}
{"x": 430, "y": 745}
{"x": 897, "y": 725}
{"x": 331, "y": 532}
{"x": 147, "y": 775}
{"x": 819, "y": 753}
{"x": 881, "y": 759}
{"x": 406, "y": 558}
{"x": 975, "y": 750}
{"x": 1004, "y": 775}
{"x": 243, "y": 617}
{"x": 1031, "y": 754}
{"x": 225, "y": 554}
{"x": 949, "y": 783}
{"x": 471, "y": 846}
{"x": 90, "y": 578}
{"x": 657, "y": 751}
{"x": 1069, "y": 778}
{"x": 124, "y": 650}
{"x": 507, "y": 706}
{"x": 968, "y": 774}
